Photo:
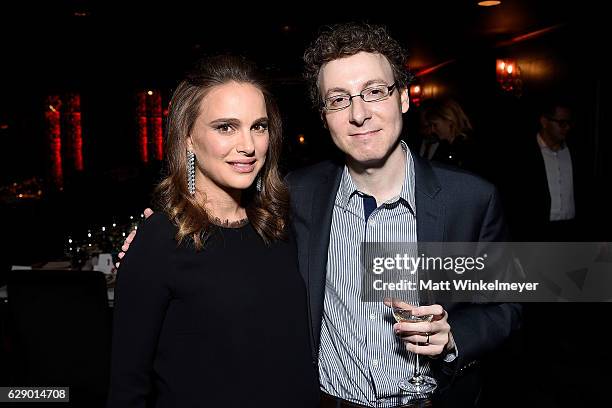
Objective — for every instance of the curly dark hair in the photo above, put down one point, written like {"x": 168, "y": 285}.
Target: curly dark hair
{"x": 346, "y": 39}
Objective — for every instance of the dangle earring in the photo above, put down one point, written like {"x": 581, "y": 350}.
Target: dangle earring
{"x": 191, "y": 172}
{"x": 258, "y": 183}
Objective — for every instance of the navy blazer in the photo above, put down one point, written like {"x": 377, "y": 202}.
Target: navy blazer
{"x": 451, "y": 205}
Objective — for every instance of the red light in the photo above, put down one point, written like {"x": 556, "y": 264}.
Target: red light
{"x": 415, "y": 94}
{"x": 75, "y": 131}
{"x": 141, "y": 112}
{"x": 52, "y": 124}
{"x": 155, "y": 110}
{"x": 509, "y": 76}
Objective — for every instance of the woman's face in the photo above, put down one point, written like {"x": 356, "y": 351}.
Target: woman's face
{"x": 230, "y": 137}
{"x": 442, "y": 127}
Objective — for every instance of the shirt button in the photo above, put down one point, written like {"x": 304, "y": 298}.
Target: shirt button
{"x": 372, "y": 316}
{"x": 375, "y": 363}
{"x": 371, "y": 223}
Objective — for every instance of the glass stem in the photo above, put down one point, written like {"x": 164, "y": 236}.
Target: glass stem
{"x": 417, "y": 368}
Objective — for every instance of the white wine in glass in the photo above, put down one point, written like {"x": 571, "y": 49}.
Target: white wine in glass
{"x": 418, "y": 384}
{"x": 403, "y": 314}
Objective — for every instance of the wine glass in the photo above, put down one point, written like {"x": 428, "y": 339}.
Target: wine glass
{"x": 402, "y": 303}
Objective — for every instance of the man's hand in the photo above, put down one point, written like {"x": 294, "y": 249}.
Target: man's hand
{"x": 130, "y": 238}
{"x": 415, "y": 335}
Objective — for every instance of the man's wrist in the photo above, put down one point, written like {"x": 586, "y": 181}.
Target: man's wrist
{"x": 450, "y": 351}
{"x": 450, "y": 345}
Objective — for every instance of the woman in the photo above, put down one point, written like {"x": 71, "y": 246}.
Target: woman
{"x": 450, "y": 138}
{"x": 210, "y": 307}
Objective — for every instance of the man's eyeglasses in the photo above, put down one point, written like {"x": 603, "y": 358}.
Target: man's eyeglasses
{"x": 562, "y": 122}
{"x": 371, "y": 94}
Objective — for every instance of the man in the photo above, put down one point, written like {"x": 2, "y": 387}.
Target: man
{"x": 548, "y": 175}
{"x": 383, "y": 193}
{"x": 545, "y": 199}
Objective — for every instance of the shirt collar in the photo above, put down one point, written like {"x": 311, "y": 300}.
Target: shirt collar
{"x": 544, "y": 146}
{"x": 348, "y": 189}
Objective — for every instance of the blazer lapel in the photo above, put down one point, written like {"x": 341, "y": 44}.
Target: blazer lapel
{"x": 323, "y": 198}
{"x": 429, "y": 209}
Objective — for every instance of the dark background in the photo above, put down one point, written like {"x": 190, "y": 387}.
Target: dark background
{"x": 108, "y": 51}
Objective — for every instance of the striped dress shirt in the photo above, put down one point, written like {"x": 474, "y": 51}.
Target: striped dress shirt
{"x": 360, "y": 358}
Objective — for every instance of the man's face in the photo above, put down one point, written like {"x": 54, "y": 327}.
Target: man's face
{"x": 367, "y": 132}
{"x": 558, "y": 126}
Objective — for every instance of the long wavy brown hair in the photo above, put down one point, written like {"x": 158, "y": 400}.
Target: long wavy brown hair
{"x": 268, "y": 209}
